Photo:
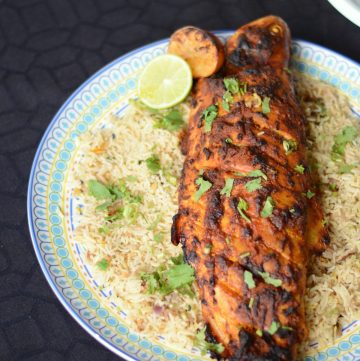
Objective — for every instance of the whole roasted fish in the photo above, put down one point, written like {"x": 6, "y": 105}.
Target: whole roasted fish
{"x": 248, "y": 214}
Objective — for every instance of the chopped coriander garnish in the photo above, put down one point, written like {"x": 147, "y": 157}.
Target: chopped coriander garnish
{"x": 226, "y": 105}
{"x": 209, "y": 115}
{"x": 158, "y": 237}
{"x": 347, "y": 135}
{"x": 98, "y": 190}
{"x": 259, "y": 333}
{"x": 227, "y": 240}
{"x": 333, "y": 187}
{"x": 257, "y": 173}
{"x": 228, "y": 187}
{"x": 131, "y": 178}
{"x": 299, "y": 168}
{"x": 273, "y": 327}
{"x": 265, "y": 105}
{"x": 309, "y": 194}
{"x": 205, "y": 346}
{"x": 103, "y": 206}
{"x": 153, "y": 164}
{"x": 244, "y": 255}
{"x": 112, "y": 193}
{"x": 268, "y": 208}
{"x": 253, "y": 185}
{"x": 172, "y": 121}
{"x": 251, "y": 303}
{"x": 289, "y": 146}
{"x": 254, "y": 173}
{"x": 166, "y": 281}
{"x": 249, "y": 280}
{"x": 102, "y": 264}
{"x": 228, "y": 98}
{"x": 346, "y": 168}
{"x": 269, "y": 280}
{"x": 130, "y": 212}
{"x": 287, "y": 328}
{"x": 241, "y": 207}
{"x": 204, "y": 186}
{"x": 178, "y": 259}
{"x": 104, "y": 230}
{"x": 228, "y": 140}
{"x": 242, "y": 88}
{"x": 231, "y": 85}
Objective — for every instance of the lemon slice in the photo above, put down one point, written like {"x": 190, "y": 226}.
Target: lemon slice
{"x": 165, "y": 81}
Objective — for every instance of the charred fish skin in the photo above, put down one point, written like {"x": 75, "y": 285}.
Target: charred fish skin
{"x": 250, "y": 269}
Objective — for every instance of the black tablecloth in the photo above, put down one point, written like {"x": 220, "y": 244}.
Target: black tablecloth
{"x": 47, "y": 49}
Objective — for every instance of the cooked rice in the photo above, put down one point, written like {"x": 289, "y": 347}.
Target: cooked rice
{"x": 333, "y": 292}
{"x": 117, "y": 151}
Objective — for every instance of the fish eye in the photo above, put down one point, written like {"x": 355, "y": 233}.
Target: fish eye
{"x": 275, "y": 29}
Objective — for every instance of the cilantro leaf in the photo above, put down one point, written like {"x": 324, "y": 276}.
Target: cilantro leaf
{"x": 309, "y": 194}
{"x": 289, "y": 146}
{"x": 226, "y": 105}
{"x": 98, "y": 190}
{"x": 241, "y": 207}
{"x": 152, "y": 281}
{"x": 249, "y": 280}
{"x": 102, "y": 264}
{"x": 228, "y": 187}
{"x": 269, "y": 280}
{"x": 178, "y": 260}
{"x": 131, "y": 178}
{"x": 228, "y": 140}
{"x": 209, "y": 115}
{"x": 179, "y": 275}
{"x": 273, "y": 327}
{"x": 103, "y": 206}
{"x": 299, "y": 168}
{"x": 153, "y": 164}
{"x": 231, "y": 85}
{"x": 253, "y": 174}
{"x": 347, "y": 135}
{"x": 268, "y": 208}
{"x": 265, "y": 105}
{"x": 251, "y": 303}
{"x": 167, "y": 281}
{"x": 158, "y": 237}
{"x": 228, "y": 98}
{"x": 253, "y": 185}
{"x": 204, "y": 186}
{"x": 205, "y": 346}
{"x": 259, "y": 333}
{"x": 172, "y": 121}
{"x": 346, "y": 168}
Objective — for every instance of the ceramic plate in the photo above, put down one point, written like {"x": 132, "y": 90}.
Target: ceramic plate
{"x": 349, "y": 8}
{"x": 50, "y": 202}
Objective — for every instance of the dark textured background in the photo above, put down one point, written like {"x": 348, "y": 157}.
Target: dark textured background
{"x": 47, "y": 49}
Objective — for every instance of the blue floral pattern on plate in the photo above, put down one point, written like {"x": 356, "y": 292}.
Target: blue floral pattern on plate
{"x": 50, "y": 204}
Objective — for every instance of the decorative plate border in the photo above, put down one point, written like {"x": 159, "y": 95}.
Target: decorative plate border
{"x": 48, "y": 207}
